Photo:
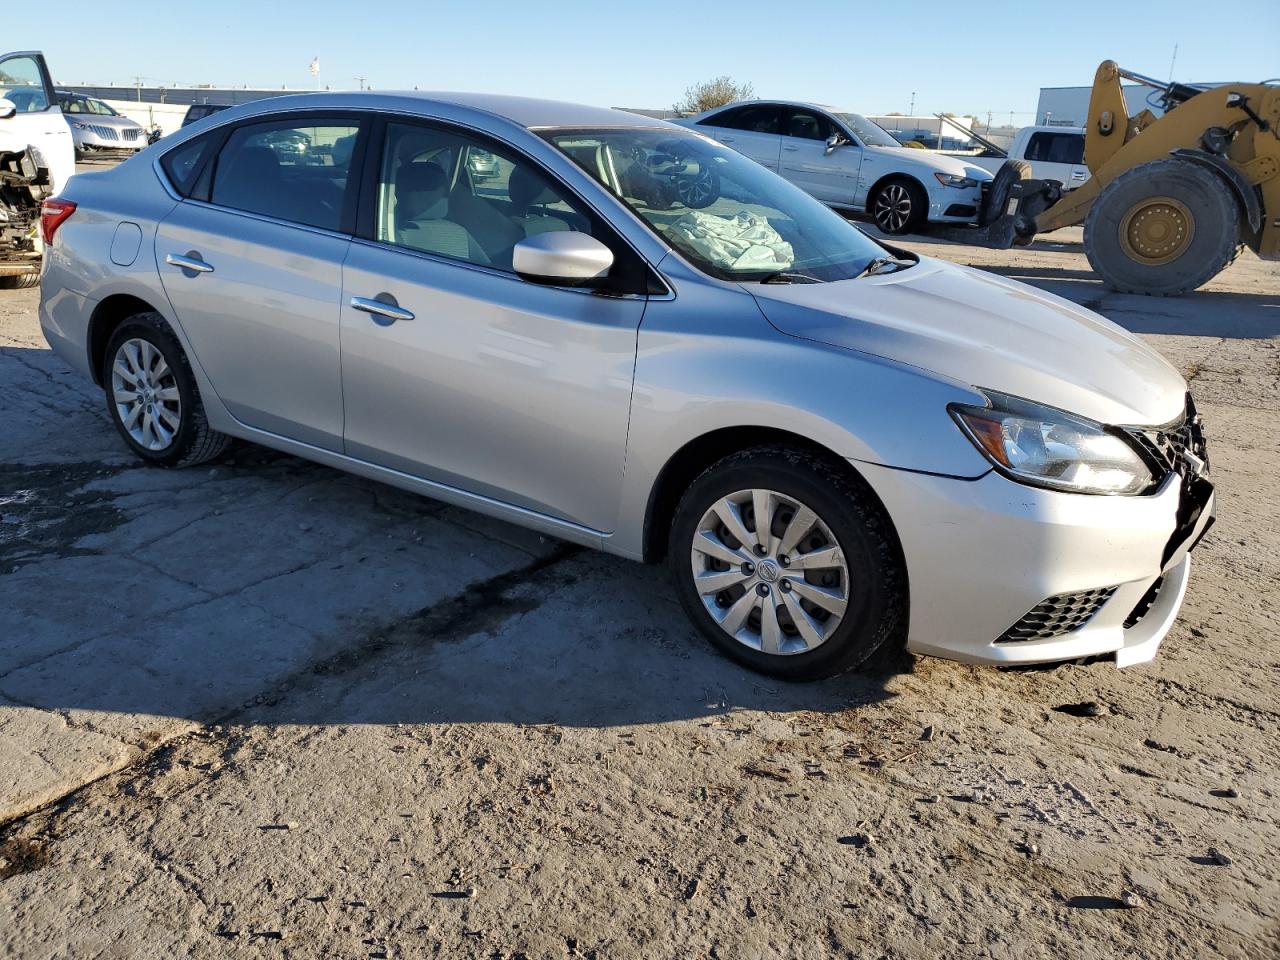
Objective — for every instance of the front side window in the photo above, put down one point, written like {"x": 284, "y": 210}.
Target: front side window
{"x": 289, "y": 170}
{"x": 100, "y": 108}
{"x": 727, "y": 214}
{"x": 22, "y": 82}
{"x": 446, "y": 193}
{"x": 805, "y": 125}
{"x": 757, "y": 118}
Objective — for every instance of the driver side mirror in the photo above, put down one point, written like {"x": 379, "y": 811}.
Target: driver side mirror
{"x": 7, "y": 108}
{"x": 562, "y": 257}
{"x": 833, "y": 141}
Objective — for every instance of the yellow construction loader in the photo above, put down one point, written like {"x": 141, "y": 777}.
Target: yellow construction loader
{"x": 1172, "y": 199}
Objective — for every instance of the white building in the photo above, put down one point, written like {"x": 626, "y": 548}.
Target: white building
{"x": 1069, "y": 106}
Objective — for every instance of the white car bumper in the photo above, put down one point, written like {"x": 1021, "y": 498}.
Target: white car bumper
{"x": 951, "y": 205}
{"x": 983, "y": 556}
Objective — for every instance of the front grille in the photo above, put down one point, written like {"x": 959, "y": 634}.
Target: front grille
{"x": 1166, "y": 447}
{"x": 1057, "y": 616}
{"x": 131, "y": 133}
{"x": 1144, "y": 605}
{"x": 106, "y": 133}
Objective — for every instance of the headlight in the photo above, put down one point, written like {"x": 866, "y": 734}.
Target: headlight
{"x": 1047, "y": 447}
{"x": 951, "y": 180}
{"x": 81, "y": 126}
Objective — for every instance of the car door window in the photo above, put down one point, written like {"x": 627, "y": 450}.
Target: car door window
{"x": 1056, "y": 147}
{"x": 805, "y": 125}
{"x": 447, "y": 193}
{"x": 22, "y": 82}
{"x": 756, "y": 118}
{"x": 289, "y": 170}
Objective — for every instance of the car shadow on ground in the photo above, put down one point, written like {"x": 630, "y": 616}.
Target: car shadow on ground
{"x": 195, "y": 594}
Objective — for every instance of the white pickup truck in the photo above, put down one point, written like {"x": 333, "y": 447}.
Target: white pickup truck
{"x": 1055, "y": 153}
{"x": 37, "y": 158}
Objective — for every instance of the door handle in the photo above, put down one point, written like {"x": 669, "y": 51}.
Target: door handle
{"x": 380, "y": 308}
{"x": 792, "y": 149}
{"x": 725, "y": 139}
{"x": 190, "y": 261}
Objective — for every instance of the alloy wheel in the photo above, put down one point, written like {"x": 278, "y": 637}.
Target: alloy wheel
{"x": 770, "y": 572}
{"x": 892, "y": 208}
{"x": 145, "y": 393}
{"x": 696, "y": 190}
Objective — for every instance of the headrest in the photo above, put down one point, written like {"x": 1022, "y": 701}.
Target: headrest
{"x": 256, "y": 163}
{"x": 527, "y": 187}
{"x": 422, "y": 192}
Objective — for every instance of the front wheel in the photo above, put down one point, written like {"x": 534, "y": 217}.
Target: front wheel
{"x": 701, "y": 188}
{"x": 899, "y": 206}
{"x": 787, "y": 564}
{"x": 153, "y": 398}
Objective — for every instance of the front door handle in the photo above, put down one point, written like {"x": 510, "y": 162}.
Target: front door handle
{"x": 189, "y": 261}
{"x": 380, "y": 308}
{"x": 723, "y": 139}
{"x": 791, "y": 149}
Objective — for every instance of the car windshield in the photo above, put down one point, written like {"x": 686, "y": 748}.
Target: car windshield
{"x": 100, "y": 108}
{"x": 871, "y": 134}
{"x": 727, "y": 214}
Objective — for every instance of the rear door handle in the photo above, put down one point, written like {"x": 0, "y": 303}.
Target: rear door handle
{"x": 190, "y": 261}
{"x": 725, "y": 139}
{"x": 380, "y": 308}
{"x": 792, "y": 149}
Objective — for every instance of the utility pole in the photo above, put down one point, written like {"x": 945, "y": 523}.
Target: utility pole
{"x": 912, "y": 111}
{"x": 137, "y": 85}
{"x": 988, "y": 121}
{"x": 360, "y": 80}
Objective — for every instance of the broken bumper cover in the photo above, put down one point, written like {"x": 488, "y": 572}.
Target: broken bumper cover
{"x": 982, "y": 553}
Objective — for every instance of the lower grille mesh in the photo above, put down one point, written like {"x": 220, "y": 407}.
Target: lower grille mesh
{"x": 1057, "y": 616}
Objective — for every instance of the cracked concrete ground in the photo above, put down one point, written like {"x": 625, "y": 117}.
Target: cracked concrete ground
{"x": 245, "y": 711}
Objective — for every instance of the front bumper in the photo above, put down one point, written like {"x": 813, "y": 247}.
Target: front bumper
{"x": 950, "y": 205}
{"x": 89, "y": 141}
{"x": 982, "y": 553}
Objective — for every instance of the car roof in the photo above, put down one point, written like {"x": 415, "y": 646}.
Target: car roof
{"x": 527, "y": 112}
{"x": 828, "y": 108}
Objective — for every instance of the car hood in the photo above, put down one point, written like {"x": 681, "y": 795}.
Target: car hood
{"x": 101, "y": 120}
{"x": 986, "y": 331}
{"x": 906, "y": 158}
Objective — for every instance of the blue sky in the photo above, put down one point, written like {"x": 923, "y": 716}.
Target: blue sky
{"x": 863, "y": 56}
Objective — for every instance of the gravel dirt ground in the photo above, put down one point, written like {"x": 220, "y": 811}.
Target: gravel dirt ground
{"x": 264, "y": 709}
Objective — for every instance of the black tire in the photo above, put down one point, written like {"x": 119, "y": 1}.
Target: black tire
{"x": 877, "y": 599}
{"x": 20, "y": 282}
{"x": 996, "y": 200}
{"x": 194, "y": 441}
{"x": 1205, "y": 200}
{"x": 701, "y": 189}
{"x": 898, "y": 206}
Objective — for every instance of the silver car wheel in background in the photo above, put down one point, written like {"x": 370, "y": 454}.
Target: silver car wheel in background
{"x": 893, "y": 207}
{"x": 781, "y": 586}
{"x": 145, "y": 393}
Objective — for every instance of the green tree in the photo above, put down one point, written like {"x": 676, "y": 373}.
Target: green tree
{"x": 713, "y": 93}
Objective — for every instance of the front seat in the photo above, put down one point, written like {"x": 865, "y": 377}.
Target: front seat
{"x": 527, "y": 189}
{"x": 422, "y": 215}
{"x": 803, "y": 126}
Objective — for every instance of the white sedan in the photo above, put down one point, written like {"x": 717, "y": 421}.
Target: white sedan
{"x": 849, "y": 162}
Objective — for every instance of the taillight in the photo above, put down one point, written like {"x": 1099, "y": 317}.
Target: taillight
{"x": 52, "y": 213}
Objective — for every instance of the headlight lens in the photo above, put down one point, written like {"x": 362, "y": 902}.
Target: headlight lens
{"x": 1047, "y": 447}
{"x": 951, "y": 180}
{"x": 81, "y": 126}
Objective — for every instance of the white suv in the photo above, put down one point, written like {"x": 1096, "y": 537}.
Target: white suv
{"x": 849, "y": 162}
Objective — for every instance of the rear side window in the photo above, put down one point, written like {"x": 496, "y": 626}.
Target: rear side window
{"x": 1056, "y": 147}
{"x": 288, "y": 170}
{"x": 183, "y": 163}
{"x": 758, "y": 118}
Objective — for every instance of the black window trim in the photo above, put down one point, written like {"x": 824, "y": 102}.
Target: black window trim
{"x": 777, "y": 109}
{"x": 366, "y": 219}
{"x": 202, "y": 182}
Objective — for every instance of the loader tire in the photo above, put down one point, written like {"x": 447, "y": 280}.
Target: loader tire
{"x": 996, "y": 201}
{"x": 19, "y": 282}
{"x": 1163, "y": 229}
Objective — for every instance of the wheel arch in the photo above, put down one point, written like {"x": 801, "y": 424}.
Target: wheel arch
{"x": 683, "y": 466}
{"x": 106, "y": 317}
{"x": 1244, "y": 191}
{"x": 891, "y": 176}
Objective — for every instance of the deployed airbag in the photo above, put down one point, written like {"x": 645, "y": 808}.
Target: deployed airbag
{"x": 744, "y": 242}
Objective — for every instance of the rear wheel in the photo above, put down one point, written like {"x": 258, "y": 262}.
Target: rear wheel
{"x": 152, "y": 395}
{"x": 899, "y": 206}
{"x": 1163, "y": 228}
{"x": 787, "y": 564}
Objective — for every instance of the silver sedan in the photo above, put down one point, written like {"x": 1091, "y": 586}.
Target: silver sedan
{"x": 98, "y": 130}
{"x": 634, "y": 338}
